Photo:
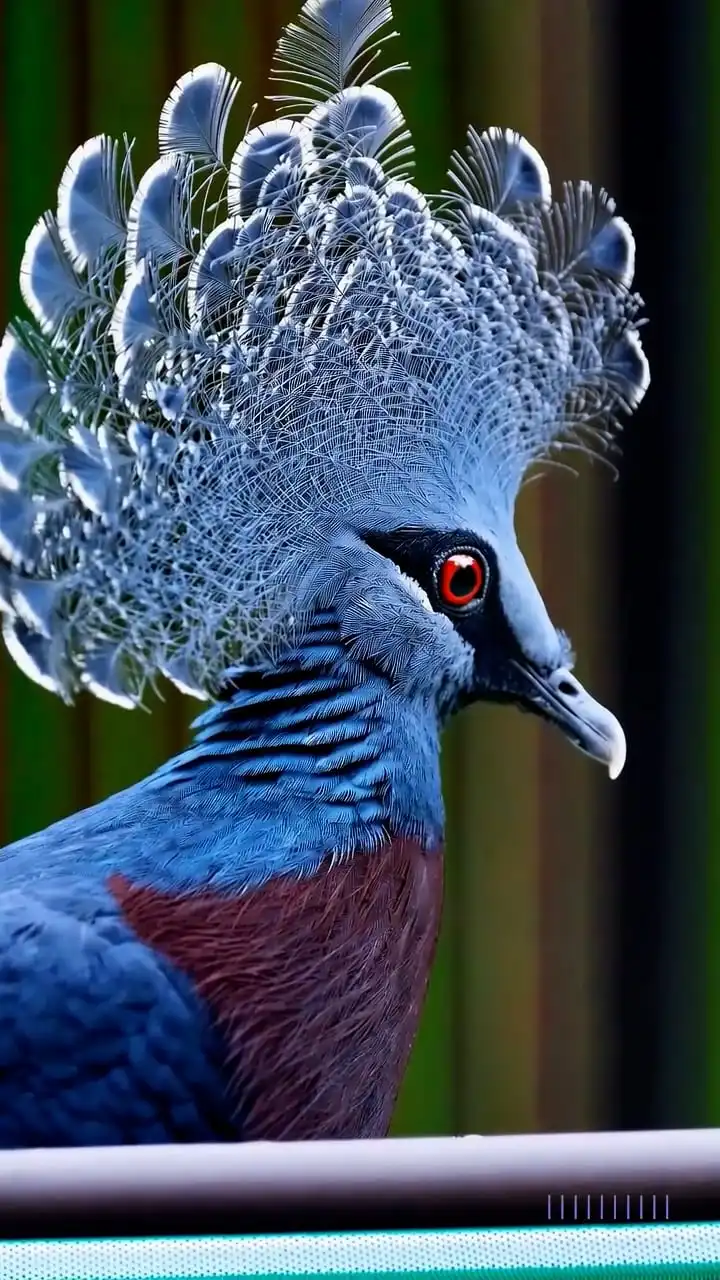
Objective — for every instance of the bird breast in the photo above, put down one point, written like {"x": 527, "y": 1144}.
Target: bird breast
{"x": 316, "y": 984}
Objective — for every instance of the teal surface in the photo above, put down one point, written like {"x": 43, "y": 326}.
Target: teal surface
{"x": 640, "y": 1250}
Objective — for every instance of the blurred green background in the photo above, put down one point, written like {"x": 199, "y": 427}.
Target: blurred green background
{"x": 578, "y": 980}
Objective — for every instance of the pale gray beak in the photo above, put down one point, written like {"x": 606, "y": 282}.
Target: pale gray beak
{"x": 560, "y": 698}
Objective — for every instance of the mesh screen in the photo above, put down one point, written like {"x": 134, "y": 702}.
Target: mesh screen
{"x": 667, "y": 1250}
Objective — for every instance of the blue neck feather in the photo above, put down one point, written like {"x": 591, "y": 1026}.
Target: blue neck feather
{"x": 314, "y": 755}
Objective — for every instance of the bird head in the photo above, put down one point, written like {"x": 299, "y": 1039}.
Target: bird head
{"x": 323, "y": 395}
{"x": 443, "y": 605}
{"x": 476, "y": 629}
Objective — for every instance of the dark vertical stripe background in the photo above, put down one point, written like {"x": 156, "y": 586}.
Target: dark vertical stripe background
{"x": 666, "y": 893}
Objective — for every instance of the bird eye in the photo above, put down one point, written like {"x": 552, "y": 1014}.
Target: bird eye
{"x": 461, "y": 579}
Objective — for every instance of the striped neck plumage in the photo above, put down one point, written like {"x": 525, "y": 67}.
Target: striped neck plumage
{"x": 320, "y": 748}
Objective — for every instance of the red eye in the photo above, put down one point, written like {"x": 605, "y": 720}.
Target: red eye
{"x": 461, "y": 579}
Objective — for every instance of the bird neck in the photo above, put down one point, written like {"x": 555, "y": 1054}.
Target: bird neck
{"x": 316, "y": 755}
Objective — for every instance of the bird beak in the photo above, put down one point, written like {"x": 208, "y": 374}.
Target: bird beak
{"x": 560, "y": 698}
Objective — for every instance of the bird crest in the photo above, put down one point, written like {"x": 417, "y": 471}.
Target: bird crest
{"x": 236, "y": 358}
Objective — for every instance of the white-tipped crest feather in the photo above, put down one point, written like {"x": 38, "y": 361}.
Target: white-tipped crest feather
{"x": 195, "y": 116}
{"x": 159, "y": 216}
{"x": 90, "y": 216}
{"x": 49, "y": 286}
{"x": 23, "y": 382}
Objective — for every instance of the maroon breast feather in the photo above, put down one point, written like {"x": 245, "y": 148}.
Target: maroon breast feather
{"x": 317, "y": 984}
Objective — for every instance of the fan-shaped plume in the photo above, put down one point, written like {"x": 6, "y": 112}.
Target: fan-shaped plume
{"x": 48, "y": 283}
{"x": 195, "y": 116}
{"x": 214, "y": 391}
{"x": 23, "y": 381}
{"x": 19, "y": 451}
{"x": 18, "y": 527}
{"x": 32, "y": 653}
{"x": 104, "y": 677}
{"x": 626, "y": 365}
{"x": 91, "y": 217}
{"x": 87, "y": 470}
{"x": 500, "y": 171}
{"x": 210, "y": 278}
{"x": 145, "y": 311}
{"x": 35, "y": 601}
{"x": 259, "y": 153}
{"x": 333, "y": 45}
{"x": 582, "y": 236}
{"x": 179, "y": 674}
{"x": 159, "y": 217}
{"x": 358, "y": 122}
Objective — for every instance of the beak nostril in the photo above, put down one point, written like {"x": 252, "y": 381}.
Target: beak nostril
{"x": 565, "y": 687}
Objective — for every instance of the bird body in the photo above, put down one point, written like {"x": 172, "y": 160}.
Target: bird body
{"x": 131, "y": 1015}
{"x": 185, "y": 913}
{"x": 264, "y": 440}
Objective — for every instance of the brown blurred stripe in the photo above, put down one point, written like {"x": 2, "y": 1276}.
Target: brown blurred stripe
{"x": 576, "y": 798}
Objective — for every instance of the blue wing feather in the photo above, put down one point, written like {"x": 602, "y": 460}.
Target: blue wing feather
{"x": 101, "y": 1041}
